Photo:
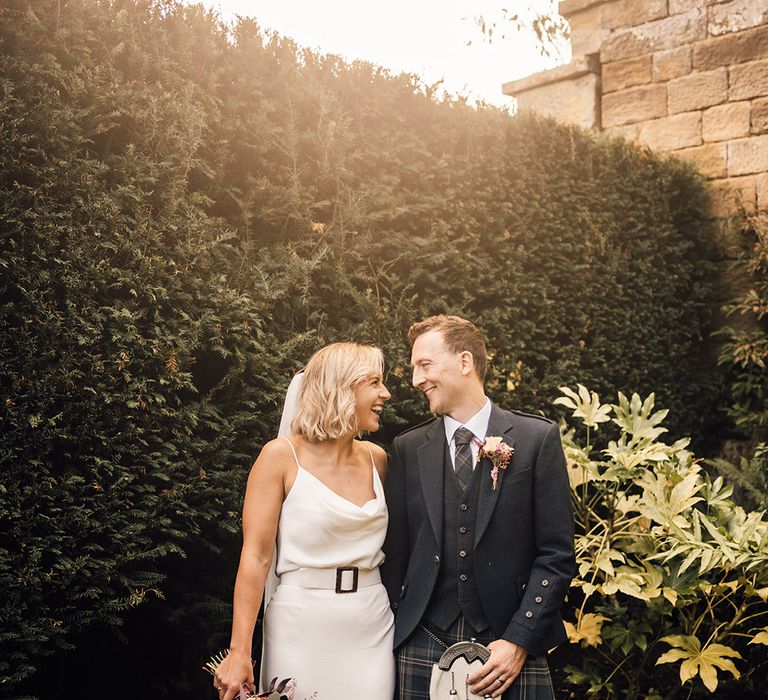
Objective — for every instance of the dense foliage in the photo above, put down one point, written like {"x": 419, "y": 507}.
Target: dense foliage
{"x": 134, "y": 374}
{"x": 745, "y": 349}
{"x": 670, "y": 569}
{"x": 744, "y": 354}
{"x": 186, "y": 211}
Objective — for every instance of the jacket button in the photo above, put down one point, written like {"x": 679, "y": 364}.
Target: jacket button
{"x": 436, "y": 559}
{"x": 524, "y": 586}
{"x": 545, "y": 582}
{"x": 463, "y": 577}
{"x": 463, "y": 507}
{"x": 538, "y": 598}
{"x": 462, "y": 553}
{"x": 463, "y": 530}
{"x": 528, "y": 614}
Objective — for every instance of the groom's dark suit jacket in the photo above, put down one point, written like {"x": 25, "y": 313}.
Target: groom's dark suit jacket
{"x": 523, "y": 544}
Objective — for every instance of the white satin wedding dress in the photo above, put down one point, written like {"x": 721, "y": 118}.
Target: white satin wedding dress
{"x": 338, "y": 645}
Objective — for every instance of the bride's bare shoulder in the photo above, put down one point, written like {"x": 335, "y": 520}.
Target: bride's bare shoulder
{"x": 274, "y": 455}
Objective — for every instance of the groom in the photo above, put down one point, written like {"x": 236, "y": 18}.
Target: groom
{"x": 465, "y": 559}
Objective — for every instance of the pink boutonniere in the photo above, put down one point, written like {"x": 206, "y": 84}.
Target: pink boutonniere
{"x": 498, "y": 452}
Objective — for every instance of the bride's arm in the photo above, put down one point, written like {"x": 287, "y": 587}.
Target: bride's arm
{"x": 264, "y": 497}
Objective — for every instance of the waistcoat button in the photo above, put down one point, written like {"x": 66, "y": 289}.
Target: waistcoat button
{"x": 462, "y": 553}
{"x": 463, "y": 530}
{"x": 463, "y": 577}
{"x": 463, "y": 507}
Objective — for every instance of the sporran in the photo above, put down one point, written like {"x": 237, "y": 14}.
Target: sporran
{"x": 449, "y": 674}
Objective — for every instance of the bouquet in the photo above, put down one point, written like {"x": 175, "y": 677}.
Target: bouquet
{"x": 278, "y": 690}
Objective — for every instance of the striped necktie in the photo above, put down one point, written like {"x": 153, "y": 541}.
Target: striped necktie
{"x": 463, "y": 460}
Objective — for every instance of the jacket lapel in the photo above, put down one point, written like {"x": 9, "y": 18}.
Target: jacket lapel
{"x": 500, "y": 424}
{"x": 431, "y": 473}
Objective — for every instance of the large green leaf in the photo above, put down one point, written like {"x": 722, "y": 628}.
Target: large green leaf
{"x": 699, "y": 661}
{"x": 585, "y": 405}
{"x": 636, "y": 417}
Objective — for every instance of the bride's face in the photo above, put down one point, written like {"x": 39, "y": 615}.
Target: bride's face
{"x": 370, "y": 395}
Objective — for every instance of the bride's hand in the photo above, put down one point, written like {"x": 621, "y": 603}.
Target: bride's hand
{"x": 235, "y": 671}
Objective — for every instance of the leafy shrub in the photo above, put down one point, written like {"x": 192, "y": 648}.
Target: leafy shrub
{"x": 744, "y": 354}
{"x": 670, "y": 569}
{"x": 135, "y": 376}
{"x": 745, "y": 347}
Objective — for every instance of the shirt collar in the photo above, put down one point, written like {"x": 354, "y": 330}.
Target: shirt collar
{"x": 478, "y": 424}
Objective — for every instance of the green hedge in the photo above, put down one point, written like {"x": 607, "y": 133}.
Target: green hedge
{"x": 745, "y": 337}
{"x": 743, "y": 355}
{"x": 187, "y": 212}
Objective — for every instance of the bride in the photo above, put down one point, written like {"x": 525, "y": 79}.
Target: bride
{"x": 319, "y": 494}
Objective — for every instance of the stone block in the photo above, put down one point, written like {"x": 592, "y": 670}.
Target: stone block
{"x": 678, "y": 6}
{"x": 625, "y": 74}
{"x": 736, "y": 16}
{"x": 670, "y": 133}
{"x": 728, "y": 121}
{"x": 630, "y": 13}
{"x": 710, "y": 159}
{"x": 759, "y": 117}
{"x": 569, "y": 101}
{"x": 568, "y": 8}
{"x": 586, "y": 32}
{"x": 748, "y": 80}
{"x": 579, "y": 66}
{"x": 698, "y": 90}
{"x": 747, "y": 156}
{"x": 659, "y": 35}
{"x": 728, "y": 50}
{"x": 634, "y": 105}
{"x": 629, "y": 132}
{"x": 733, "y": 194}
{"x": 585, "y": 43}
{"x": 573, "y": 10}
{"x": 673, "y": 63}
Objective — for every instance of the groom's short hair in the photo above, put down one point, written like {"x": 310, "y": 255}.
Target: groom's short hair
{"x": 458, "y": 334}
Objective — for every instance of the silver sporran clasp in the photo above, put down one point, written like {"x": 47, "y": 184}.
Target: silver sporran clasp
{"x": 449, "y": 674}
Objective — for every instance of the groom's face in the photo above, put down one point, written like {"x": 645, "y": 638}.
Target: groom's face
{"x": 437, "y": 372}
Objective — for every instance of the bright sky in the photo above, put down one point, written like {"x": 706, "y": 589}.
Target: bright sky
{"x": 426, "y": 37}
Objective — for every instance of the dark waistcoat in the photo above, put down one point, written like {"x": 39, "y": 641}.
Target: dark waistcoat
{"x": 455, "y": 591}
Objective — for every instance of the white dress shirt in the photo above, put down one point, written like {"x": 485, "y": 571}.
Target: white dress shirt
{"x": 478, "y": 425}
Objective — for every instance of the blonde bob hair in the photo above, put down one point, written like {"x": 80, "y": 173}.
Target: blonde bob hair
{"x": 326, "y": 402}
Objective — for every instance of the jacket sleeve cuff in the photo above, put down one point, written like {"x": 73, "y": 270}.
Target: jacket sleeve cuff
{"x": 522, "y": 636}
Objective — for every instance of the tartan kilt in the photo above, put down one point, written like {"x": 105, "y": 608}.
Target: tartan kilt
{"x": 420, "y": 651}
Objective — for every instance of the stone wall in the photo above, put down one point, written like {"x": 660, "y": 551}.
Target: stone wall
{"x": 685, "y": 76}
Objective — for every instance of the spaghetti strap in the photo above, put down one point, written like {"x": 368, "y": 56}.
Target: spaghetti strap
{"x": 370, "y": 454}
{"x": 293, "y": 449}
